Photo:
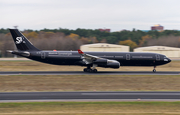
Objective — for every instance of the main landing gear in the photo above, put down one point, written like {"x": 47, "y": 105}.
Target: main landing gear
{"x": 90, "y": 70}
{"x": 93, "y": 70}
{"x": 154, "y": 70}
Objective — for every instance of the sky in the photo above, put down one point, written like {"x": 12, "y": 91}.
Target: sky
{"x": 90, "y": 14}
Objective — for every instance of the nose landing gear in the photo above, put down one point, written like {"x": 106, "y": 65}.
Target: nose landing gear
{"x": 154, "y": 70}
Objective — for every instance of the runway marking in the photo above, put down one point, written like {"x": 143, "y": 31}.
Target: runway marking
{"x": 130, "y": 94}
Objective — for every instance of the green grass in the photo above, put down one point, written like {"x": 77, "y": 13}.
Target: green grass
{"x": 90, "y": 108}
{"x": 18, "y": 83}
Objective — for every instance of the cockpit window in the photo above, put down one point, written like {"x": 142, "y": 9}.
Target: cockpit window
{"x": 165, "y": 57}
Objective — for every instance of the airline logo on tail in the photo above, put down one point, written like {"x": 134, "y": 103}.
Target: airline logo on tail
{"x": 19, "y": 40}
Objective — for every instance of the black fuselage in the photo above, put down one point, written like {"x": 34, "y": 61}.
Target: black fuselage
{"x": 124, "y": 58}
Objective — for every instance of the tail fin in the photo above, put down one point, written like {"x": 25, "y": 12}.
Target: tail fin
{"x": 22, "y": 43}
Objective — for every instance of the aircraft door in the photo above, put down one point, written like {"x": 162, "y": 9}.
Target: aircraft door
{"x": 127, "y": 56}
{"x": 43, "y": 55}
{"x": 157, "y": 57}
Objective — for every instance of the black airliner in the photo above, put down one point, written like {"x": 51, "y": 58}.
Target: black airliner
{"x": 89, "y": 59}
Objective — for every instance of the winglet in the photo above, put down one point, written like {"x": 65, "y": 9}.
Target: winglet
{"x": 80, "y": 52}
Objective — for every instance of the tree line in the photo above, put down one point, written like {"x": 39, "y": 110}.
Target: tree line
{"x": 67, "y": 39}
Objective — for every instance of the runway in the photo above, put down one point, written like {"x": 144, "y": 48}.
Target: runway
{"x": 89, "y": 96}
{"x": 86, "y": 73}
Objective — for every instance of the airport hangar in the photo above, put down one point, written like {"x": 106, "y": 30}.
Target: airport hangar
{"x": 170, "y": 52}
{"x": 104, "y": 47}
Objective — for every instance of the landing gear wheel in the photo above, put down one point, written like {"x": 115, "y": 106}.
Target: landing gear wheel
{"x": 154, "y": 70}
{"x": 85, "y": 69}
{"x": 95, "y": 70}
{"x": 90, "y": 70}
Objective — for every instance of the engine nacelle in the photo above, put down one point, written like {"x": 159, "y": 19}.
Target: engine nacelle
{"x": 100, "y": 61}
{"x": 107, "y": 63}
{"x": 113, "y": 65}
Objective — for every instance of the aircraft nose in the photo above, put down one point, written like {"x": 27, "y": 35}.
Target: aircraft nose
{"x": 169, "y": 60}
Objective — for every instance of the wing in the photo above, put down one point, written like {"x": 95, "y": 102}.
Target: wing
{"x": 87, "y": 58}
{"x": 101, "y": 62}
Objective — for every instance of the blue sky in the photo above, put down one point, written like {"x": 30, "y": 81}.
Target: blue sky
{"x": 89, "y": 14}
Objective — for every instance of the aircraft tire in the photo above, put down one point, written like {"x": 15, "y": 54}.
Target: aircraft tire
{"x": 95, "y": 70}
{"x": 154, "y": 70}
{"x": 90, "y": 70}
{"x": 85, "y": 69}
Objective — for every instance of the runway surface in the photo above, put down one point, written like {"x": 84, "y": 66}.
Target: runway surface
{"x": 86, "y": 73}
{"x": 89, "y": 96}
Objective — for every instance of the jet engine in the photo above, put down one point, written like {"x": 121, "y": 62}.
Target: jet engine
{"x": 107, "y": 63}
{"x": 100, "y": 61}
{"x": 113, "y": 65}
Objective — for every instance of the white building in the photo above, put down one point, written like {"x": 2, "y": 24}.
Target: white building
{"x": 104, "y": 47}
{"x": 168, "y": 51}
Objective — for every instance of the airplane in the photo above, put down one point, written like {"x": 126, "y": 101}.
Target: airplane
{"x": 89, "y": 59}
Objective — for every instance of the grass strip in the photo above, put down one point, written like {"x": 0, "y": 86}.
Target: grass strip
{"x": 21, "y": 83}
{"x": 95, "y": 108}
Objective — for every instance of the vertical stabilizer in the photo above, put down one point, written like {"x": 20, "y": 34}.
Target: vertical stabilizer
{"x": 21, "y": 42}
